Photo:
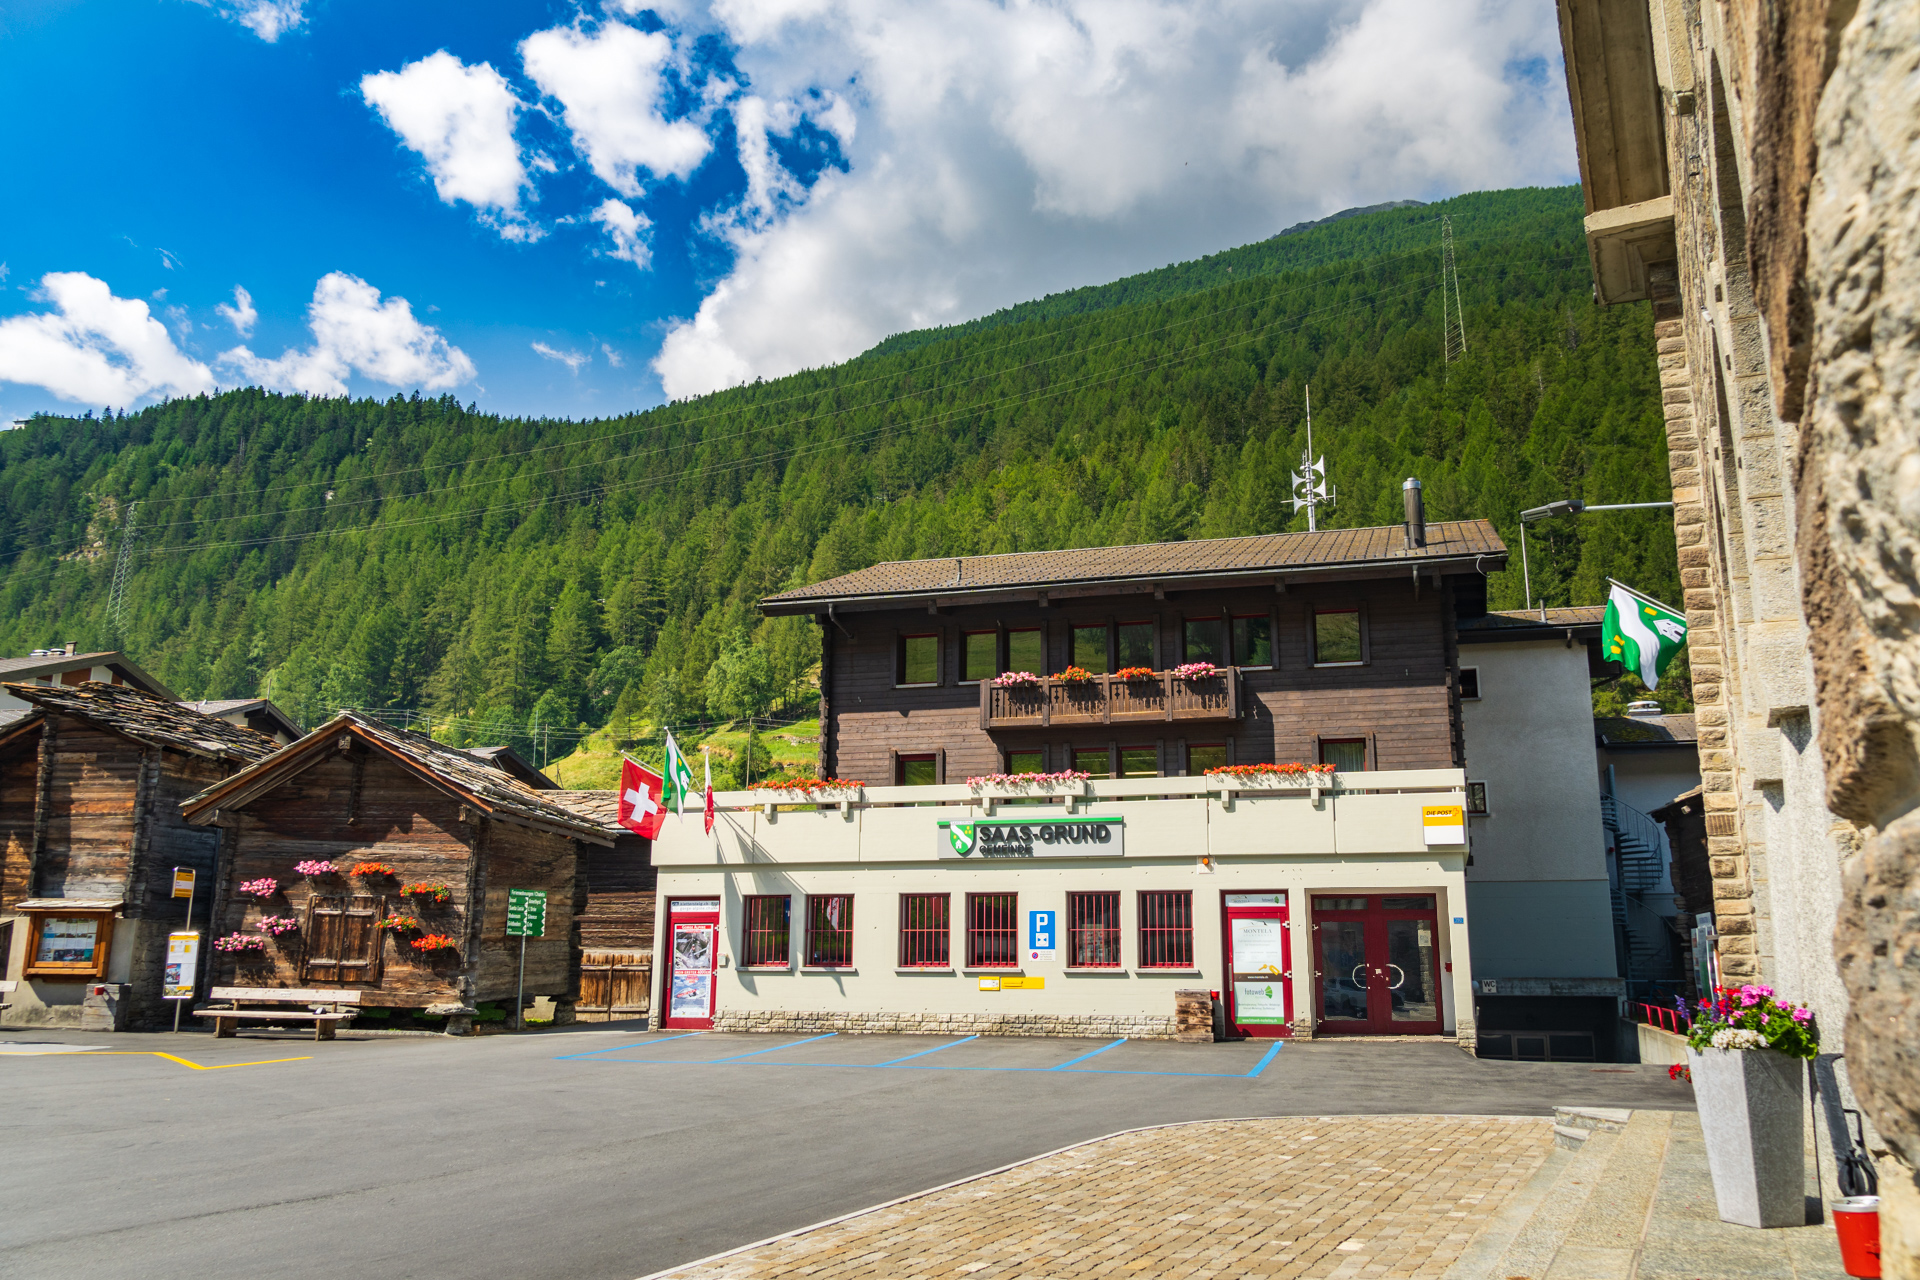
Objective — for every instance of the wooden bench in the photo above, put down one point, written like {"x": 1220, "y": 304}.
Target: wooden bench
{"x": 269, "y": 1004}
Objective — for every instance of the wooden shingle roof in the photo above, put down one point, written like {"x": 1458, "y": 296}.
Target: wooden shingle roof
{"x": 142, "y": 716}
{"x": 1167, "y": 562}
{"x": 492, "y": 792}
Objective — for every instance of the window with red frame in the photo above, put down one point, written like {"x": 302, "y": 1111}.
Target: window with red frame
{"x": 993, "y": 930}
{"x": 1093, "y": 930}
{"x": 764, "y": 942}
{"x": 829, "y": 930}
{"x": 1166, "y": 929}
{"x": 925, "y": 932}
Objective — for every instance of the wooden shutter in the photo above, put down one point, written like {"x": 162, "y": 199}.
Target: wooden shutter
{"x": 615, "y": 983}
{"x": 343, "y": 940}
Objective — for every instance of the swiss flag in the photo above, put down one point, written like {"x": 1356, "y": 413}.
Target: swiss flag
{"x": 641, "y": 807}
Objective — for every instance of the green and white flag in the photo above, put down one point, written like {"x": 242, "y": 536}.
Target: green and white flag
{"x": 1644, "y": 634}
{"x": 676, "y": 777}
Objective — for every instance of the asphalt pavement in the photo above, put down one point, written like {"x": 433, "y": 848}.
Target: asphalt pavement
{"x": 595, "y": 1153}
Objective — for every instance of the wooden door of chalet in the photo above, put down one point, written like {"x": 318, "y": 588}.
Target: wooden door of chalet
{"x": 344, "y": 942}
{"x": 615, "y": 984}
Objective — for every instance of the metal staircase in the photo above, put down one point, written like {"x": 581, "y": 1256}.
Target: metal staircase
{"x": 1636, "y": 870}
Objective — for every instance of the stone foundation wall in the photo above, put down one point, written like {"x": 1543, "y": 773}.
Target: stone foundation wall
{"x": 1140, "y": 1026}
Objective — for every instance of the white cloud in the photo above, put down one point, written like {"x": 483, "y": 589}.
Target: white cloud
{"x": 182, "y": 324}
{"x": 1000, "y": 151}
{"x": 95, "y": 348}
{"x": 268, "y": 19}
{"x": 613, "y": 87}
{"x": 241, "y": 314}
{"x": 628, "y": 231}
{"x": 460, "y": 119}
{"x": 614, "y": 358}
{"x": 572, "y": 359}
{"x": 355, "y": 332}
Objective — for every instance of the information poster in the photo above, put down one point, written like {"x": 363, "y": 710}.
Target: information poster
{"x": 1043, "y": 935}
{"x": 183, "y": 962}
{"x": 690, "y": 994}
{"x": 1259, "y": 1003}
{"x": 68, "y": 941}
{"x": 1259, "y": 946}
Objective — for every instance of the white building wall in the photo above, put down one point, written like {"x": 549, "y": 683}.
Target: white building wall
{"x": 1538, "y": 883}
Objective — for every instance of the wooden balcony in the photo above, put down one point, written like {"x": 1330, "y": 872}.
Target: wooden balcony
{"x": 1111, "y": 700}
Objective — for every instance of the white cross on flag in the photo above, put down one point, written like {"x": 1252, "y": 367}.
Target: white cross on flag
{"x": 641, "y": 808}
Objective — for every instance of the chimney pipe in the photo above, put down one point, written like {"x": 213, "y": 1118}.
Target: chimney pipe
{"x": 71, "y": 646}
{"x": 1416, "y": 514}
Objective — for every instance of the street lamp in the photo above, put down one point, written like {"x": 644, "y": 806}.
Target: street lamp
{"x": 1567, "y": 507}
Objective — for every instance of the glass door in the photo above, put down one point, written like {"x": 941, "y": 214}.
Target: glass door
{"x": 693, "y": 938}
{"x": 1379, "y": 964}
{"x": 1259, "y": 968}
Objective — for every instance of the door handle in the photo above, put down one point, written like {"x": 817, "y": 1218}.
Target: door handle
{"x": 1357, "y": 981}
{"x": 1395, "y": 986}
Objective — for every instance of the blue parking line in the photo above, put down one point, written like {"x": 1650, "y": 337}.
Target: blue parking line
{"x": 618, "y": 1047}
{"x": 1271, "y": 1055}
{"x": 776, "y": 1048}
{"x": 1083, "y": 1057}
{"x": 923, "y": 1053}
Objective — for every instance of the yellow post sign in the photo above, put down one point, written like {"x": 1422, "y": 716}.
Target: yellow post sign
{"x": 1444, "y": 824}
{"x": 183, "y": 882}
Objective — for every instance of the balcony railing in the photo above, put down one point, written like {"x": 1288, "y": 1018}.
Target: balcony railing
{"x": 1108, "y": 699}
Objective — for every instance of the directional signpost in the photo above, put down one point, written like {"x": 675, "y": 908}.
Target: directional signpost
{"x": 526, "y": 918}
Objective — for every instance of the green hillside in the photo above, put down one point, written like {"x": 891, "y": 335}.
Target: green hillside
{"x": 490, "y": 574}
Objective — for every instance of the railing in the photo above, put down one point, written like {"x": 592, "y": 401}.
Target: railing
{"x": 1110, "y": 700}
{"x": 1667, "y": 1019}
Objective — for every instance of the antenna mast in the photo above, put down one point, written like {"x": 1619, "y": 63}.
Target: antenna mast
{"x": 122, "y": 568}
{"x": 1452, "y": 316}
{"x": 1310, "y": 481}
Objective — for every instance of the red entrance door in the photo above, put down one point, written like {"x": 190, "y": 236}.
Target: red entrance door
{"x": 693, "y": 942}
{"x": 1259, "y": 967}
{"x": 1379, "y": 964}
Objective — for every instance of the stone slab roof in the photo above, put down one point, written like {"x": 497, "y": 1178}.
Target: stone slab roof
{"x": 1645, "y": 731}
{"x": 140, "y": 715}
{"x": 600, "y": 806}
{"x": 1153, "y": 561}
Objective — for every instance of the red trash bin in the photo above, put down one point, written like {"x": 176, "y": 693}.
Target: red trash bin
{"x": 1856, "y": 1219}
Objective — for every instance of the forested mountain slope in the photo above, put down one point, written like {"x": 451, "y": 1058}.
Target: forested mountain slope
{"x": 413, "y": 554}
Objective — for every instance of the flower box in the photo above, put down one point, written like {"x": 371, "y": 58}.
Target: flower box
{"x": 315, "y": 870}
{"x": 265, "y": 887}
{"x": 437, "y": 895}
{"x": 398, "y": 924}
{"x": 274, "y": 926}
{"x": 433, "y": 943}
{"x": 374, "y": 871}
{"x": 1076, "y": 675}
{"x": 1745, "y": 1051}
{"x": 1023, "y": 680}
{"x": 241, "y": 942}
{"x": 1066, "y": 782}
{"x": 812, "y": 788}
{"x": 1290, "y": 775}
{"x": 1134, "y": 675}
{"x": 1195, "y": 671}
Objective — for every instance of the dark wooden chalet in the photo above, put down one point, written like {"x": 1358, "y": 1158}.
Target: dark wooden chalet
{"x": 1331, "y": 647}
{"x": 91, "y": 780}
{"x": 456, "y": 834}
{"x": 613, "y": 915}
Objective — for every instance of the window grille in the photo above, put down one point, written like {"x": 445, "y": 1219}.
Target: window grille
{"x": 924, "y": 931}
{"x": 829, "y": 929}
{"x": 993, "y": 930}
{"x": 1166, "y": 929}
{"x": 1093, "y": 930}
{"x": 765, "y": 940}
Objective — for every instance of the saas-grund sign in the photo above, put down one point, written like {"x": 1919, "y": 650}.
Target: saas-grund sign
{"x": 1033, "y": 838}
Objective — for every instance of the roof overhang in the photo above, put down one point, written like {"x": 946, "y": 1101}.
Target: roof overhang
{"x": 1401, "y": 568}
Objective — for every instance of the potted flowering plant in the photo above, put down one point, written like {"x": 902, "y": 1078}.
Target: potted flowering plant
{"x": 437, "y": 895}
{"x": 1075, "y": 675}
{"x": 1016, "y": 680}
{"x": 1195, "y": 671}
{"x": 1133, "y": 675}
{"x": 1069, "y": 778}
{"x": 807, "y": 786}
{"x": 265, "y": 887}
{"x": 241, "y": 942}
{"x": 398, "y": 923}
{"x": 274, "y": 926}
{"x": 373, "y": 871}
{"x": 315, "y": 870}
{"x": 1745, "y": 1049}
{"x": 434, "y": 942}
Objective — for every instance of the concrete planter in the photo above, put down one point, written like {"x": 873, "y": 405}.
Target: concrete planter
{"x": 1751, "y": 1105}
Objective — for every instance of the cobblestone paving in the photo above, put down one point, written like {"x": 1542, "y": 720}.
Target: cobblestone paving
{"x": 1349, "y": 1197}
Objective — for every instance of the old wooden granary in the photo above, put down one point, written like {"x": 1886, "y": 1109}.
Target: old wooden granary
{"x": 91, "y": 780}
{"x": 614, "y": 902}
{"x": 374, "y": 859}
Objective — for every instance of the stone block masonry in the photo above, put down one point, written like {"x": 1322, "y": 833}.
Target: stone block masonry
{"x": 1141, "y": 1026}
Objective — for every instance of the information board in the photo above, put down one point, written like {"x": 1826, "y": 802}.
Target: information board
{"x": 1043, "y": 935}
{"x": 526, "y": 913}
{"x": 183, "y": 882}
{"x": 183, "y": 963}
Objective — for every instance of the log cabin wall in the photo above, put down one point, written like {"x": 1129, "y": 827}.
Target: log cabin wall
{"x": 19, "y": 811}
{"x": 351, "y": 807}
{"x": 617, "y": 895}
{"x": 1401, "y": 701}
{"x": 518, "y": 857}
{"x": 87, "y": 829}
{"x": 164, "y": 841}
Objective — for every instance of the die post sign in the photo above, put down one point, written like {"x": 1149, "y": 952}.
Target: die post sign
{"x": 526, "y": 913}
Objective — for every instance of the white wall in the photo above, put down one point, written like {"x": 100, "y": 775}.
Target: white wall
{"x": 1538, "y": 882}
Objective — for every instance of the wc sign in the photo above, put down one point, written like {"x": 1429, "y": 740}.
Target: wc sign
{"x": 1043, "y": 935}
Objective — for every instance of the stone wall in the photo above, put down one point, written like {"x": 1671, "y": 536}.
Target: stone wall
{"x": 1139, "y": 1026}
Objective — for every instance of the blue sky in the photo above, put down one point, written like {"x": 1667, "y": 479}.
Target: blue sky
{"x": 575, "y": 211}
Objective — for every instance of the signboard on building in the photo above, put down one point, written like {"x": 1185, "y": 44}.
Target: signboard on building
{"x": 526, "y": 913}
{"x": 1033, "y": 838}
{"x": 1261, "y": 1003}
{"x": 183, "y": 882}
{"x": 183, "y": 963}
{"x": 1043, "y": 935}
{"x": 1444, "y": 824}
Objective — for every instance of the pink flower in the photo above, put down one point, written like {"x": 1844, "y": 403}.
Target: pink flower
{"x": 1803, "y": 1014}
